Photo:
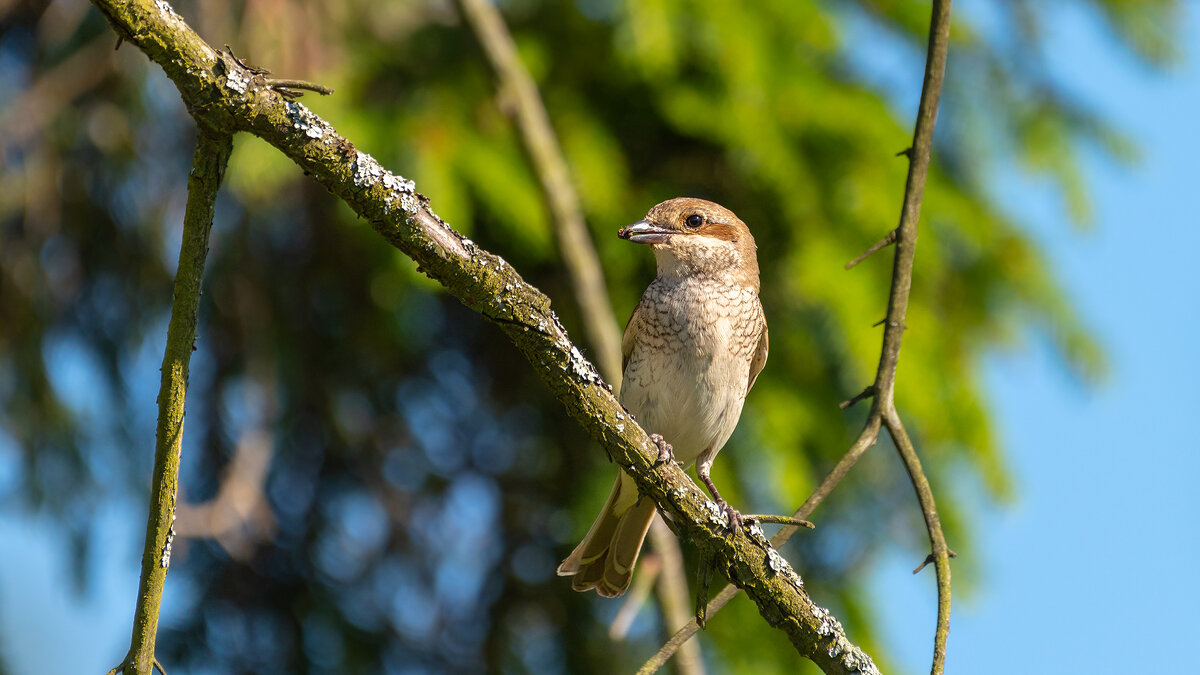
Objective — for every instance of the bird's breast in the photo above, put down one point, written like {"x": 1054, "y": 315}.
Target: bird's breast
{"x": 689, "y": 367}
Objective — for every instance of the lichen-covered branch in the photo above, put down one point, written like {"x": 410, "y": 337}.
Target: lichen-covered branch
{"x": 223, "y": 95}
{"x": 208, "y": 167}
{"x": 882, "y": 391}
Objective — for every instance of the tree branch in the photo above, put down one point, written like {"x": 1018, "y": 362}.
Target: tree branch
{"x": 221, "y": 94}
{"x": 208, "y": 168}
{"x": 888, "y": 240}
{"x": 883, "y": 410}
{"x": 906, "y": 241}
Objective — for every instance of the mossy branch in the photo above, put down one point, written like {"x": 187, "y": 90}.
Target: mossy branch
{"x": 224, "y": 96}
{"x": 208, "y": 168}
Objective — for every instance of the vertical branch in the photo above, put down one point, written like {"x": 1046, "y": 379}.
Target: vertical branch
{"x": 208, "y": 167}
{"x": 910, "y": 213}
{"x": 574, "y": 243}
{"x": 906, "y": 241}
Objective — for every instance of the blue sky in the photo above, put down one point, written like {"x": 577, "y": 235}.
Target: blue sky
{"x": 1101, "y": 547}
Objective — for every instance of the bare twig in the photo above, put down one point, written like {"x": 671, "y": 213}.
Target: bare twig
{"x": 298, "y": 84}
{"x": 883, "y": 409}
{"x": 930, "y": 558}
{"x": 941, "y": 557}
{"x": 703, "y": 579}
{"x": 888, "y": 240}
{"x": 866, "y": 393}
{"x": 778, "y": 520}
{"x": 246, "y": 64}
{"x": 208, "y": 168}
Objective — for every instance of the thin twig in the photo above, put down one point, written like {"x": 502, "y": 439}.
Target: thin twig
{"x": 866, "y": 393}
{"x": 931, "y": 558}
{"x": 778, "y": 520}
{"x": 298, "y": 84}
{"x": 886, "y": 241}
{"x": 208, "y": 168}
{"x": 243, "y": 63}
{"x": 941, "y": 557}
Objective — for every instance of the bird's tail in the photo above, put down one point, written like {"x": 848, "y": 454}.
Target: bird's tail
{"x": 605, "y": 558}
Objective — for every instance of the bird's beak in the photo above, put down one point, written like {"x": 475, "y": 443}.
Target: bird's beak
{"x": 642, "y": 232}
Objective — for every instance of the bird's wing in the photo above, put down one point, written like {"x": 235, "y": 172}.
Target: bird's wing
{"x": 760, "y": 357}
{"x": 632, "y": 328}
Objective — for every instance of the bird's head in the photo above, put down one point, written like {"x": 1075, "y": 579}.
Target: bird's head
{"x": 693, "y": 237}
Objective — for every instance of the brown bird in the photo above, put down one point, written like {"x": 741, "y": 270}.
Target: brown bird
{"x": 692, "y": 350}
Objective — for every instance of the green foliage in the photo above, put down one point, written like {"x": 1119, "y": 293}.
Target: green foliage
{"x": 423, "y": 485}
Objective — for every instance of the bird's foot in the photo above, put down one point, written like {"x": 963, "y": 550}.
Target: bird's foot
{"x": 665, "y": 453}
{"x": 735, "y": 518}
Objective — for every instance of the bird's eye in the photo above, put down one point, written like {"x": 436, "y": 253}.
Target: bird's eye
{"x": 695, "y": 220}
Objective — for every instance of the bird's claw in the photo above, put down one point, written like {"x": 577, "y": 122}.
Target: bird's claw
{"x": 735, "y": 518}
{"x": 665, "y": 454}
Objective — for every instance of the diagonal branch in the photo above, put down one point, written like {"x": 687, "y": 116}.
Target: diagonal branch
{"x": 883, "y": 409}
{"x": 222, "y": 95}
{"x": 208, "y": 167}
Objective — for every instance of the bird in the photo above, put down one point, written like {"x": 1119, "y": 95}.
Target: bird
{"x": 691, "y": 351}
